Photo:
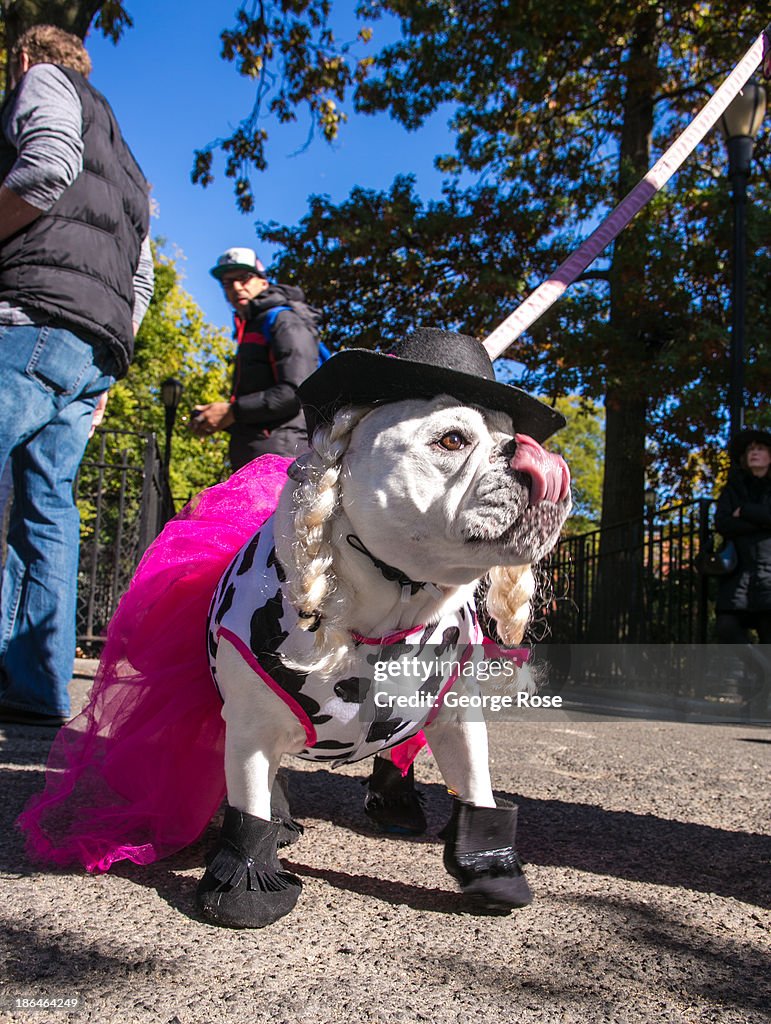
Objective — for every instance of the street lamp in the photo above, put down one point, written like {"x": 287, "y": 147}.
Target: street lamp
{"x": 739, "y": 124}
{"x": 171, "y": 394}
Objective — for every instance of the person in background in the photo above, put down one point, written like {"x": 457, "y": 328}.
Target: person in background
{"x": 278, "y": 348}
{"x": 743, "y": 514}
{"x": 76, "y": 277}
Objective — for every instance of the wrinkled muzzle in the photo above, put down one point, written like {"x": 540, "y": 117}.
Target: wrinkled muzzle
{"x": 548, "y": 472}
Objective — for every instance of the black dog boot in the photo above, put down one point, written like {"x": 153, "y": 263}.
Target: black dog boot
{"x": 289, "y": 830}
{"x": 392, "y": 802}
{"x": 479, "y": 852}
{"x": 244, "y": 885}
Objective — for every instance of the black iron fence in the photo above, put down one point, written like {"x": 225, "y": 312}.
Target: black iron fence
{"x": 631, "y": 625}
{"x": 124, "y": 501}
{"x": 635, "y": 582}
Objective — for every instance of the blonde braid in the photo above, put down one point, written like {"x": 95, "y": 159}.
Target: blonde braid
{"x": 313, "y": 589}
{"x": 508, "y": 600}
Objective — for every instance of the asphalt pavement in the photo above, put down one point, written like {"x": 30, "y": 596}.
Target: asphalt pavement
{"x": 648, "y": 850}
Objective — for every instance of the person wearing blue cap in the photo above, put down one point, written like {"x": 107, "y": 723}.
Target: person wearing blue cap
{"x": 278, "y": 346}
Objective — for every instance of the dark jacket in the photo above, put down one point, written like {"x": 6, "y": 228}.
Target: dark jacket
{"x": 270, "y": 364}
{"x": 75, "y": 264}
{"x": 749, "y": 587}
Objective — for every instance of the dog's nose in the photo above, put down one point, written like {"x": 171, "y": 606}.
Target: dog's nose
{"x": 548, "y": 472}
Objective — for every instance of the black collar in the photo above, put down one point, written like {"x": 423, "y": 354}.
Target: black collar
{"x": 390, "y": 572}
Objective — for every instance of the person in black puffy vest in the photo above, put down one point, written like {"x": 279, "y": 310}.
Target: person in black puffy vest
{"x": 278, "y": 348}
{"x": 744, "y": 514}
{"x": 76, "y": 278}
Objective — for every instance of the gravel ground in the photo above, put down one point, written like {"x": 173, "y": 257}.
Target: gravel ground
{"x": 647, "y": 845}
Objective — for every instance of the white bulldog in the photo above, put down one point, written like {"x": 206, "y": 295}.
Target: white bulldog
{"x": 341, "y": 629}
{"x": 373, "y": 556}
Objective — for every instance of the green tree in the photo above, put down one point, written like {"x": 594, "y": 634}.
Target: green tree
{"x": 175, "y": 340}
{"x": 580, "y": 443}
{"x": 557, "y": 113}
{"x": 288, "y": 49}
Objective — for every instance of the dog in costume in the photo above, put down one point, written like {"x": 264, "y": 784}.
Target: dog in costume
{"x": 258, "y": 621}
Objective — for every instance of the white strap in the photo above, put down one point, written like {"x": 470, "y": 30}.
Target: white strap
{"x": 549, "y": 291}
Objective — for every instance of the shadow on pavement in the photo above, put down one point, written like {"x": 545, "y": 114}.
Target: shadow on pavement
{"x": 557, "y": 833}
{"x": 585, "y": 837}
{"x": 719, "y": 971}
{"x": 418, "y": 897}
{"x": 645, "y": 848}
{"x": 65, "y": 963}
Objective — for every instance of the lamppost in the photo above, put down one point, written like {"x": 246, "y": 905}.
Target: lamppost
{"x": 171, "y": 393}
{"x": 739, "y": 125}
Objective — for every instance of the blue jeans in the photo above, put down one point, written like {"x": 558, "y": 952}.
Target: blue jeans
{"x": 50, "y": 382}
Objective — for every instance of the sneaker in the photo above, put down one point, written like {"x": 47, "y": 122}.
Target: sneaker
{"x": 18, "y": 716}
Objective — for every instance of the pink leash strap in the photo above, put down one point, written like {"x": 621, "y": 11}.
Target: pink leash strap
{"x": 549, "y": 291}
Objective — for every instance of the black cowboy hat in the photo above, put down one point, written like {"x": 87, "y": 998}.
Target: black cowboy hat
{"x": 426, "y": 363}
{"x": 741, "y": 442}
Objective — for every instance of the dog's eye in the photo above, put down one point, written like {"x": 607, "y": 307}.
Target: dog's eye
{"x": 452, "y": 441}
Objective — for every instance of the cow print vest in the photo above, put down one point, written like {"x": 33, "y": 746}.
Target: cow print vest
{"x": 355, "y": 716}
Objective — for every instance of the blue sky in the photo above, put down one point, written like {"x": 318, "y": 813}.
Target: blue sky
{"x": 172, "y": 93}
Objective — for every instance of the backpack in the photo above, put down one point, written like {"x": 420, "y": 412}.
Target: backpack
{"x": 267, "y": 320}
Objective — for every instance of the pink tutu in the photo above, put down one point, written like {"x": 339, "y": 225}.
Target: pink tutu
{"x": 139, "y": 773}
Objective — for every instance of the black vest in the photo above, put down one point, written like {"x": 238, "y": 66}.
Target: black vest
{"x": 75, "y": 264}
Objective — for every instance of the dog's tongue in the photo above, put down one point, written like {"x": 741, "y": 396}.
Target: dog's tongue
{"x": 549, "y": 474}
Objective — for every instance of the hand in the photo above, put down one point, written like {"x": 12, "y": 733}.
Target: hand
{"x": 208, "y": 419}
{"x": 98, "y": 414}
{"x": 737, "y": 512}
